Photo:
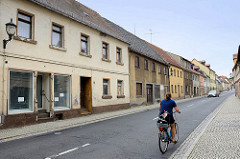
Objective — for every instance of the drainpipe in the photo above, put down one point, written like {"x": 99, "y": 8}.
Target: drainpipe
{"x": 4, "y": 60}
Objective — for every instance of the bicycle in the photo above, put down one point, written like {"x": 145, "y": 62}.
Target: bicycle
{"x": 164, "y": 135}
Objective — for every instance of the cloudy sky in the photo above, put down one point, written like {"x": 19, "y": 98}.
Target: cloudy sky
{"x": 201, "y": 29}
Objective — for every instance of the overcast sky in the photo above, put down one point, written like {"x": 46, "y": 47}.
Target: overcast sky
{"x": 201, "y": 29}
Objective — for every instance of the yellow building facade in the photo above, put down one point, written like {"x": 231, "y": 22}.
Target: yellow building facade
{"x": 176, "y": 82}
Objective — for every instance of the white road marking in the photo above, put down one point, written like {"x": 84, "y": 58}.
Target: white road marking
{"x": 62, "y": 153}
{"x": 65, "y": 152}
{"x": 85, "y": 145}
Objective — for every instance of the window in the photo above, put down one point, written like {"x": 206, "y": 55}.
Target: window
{"x": 21, "y": 91}
{"x": 159, "y": 68}
{"x": 61, "y": 91}
{"x": 182, "y": 89}
{"x": 119, "y": 55}
{"x": 25, "y": 25}
{"x": 181, "y": 74}
{"x": 178, "y": 73}
{"x": 164, "y": 70}
{"x": 157, "y": 91}
{"x": 171, "y": 72}
{"x": 57, "y": 36}
{"x": 105, "y": 87}
{"x": 174, "y": 72}
{"x": 119, "y": 88}
{"x": 153, "y": 67}
{"x": 145, "y": 64}
{"x": 105, "y": 50}
{"x": 172, "y": 88}
{"x": 138, "y": 89}
{"x": 175, "y": 89}
{"x": 84, "y": 45}
{"x": 137, "y": 61}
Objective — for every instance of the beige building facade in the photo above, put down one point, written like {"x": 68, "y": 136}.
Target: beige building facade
{"x": 60, "y": 64}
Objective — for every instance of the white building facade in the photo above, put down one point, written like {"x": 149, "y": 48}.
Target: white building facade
{"x": 61, "y": 63}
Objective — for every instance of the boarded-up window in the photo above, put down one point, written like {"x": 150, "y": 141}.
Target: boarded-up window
{"x": 139, "y": 89}
{"x": 157, "y": 91}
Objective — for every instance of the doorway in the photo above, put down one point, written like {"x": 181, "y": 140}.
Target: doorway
{"x": 86, "y": 93}
{"x": 149, "y": 94}
{"x": 43, "y": 92}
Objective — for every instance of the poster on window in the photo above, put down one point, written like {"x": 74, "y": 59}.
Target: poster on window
{"x": 20, "y": 99}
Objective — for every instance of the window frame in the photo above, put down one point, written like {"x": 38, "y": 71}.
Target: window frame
{"x": 61, "y": 33}
{"x": 159, "y": 69}
{"x": 32, "y": 23}
{"x": 138, "y": 96}
{"x": 107, "y": 50}
{"x": 153, "y": 67}
{"x": 137, "y": 62}
{"x": 108, "y": 96}
{"x": 145, "y": 64}
{"x": 120, "y": 62}
{"x": 88, "y": 54}
{"x": 70, "y": 94}
{"x": 31, "y": 110}
{"x": 122, "y": 89}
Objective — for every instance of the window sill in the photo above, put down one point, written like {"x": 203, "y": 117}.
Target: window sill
{"x": 139, "y": 96}
{"x": 119, "y": 63}
{"x": 57, "y": 48}
{"x": 121, "y": 96}
{"x": 106, "y": 97}
{"x": 30, "y": 41}
{"x": 21, "y": 111}
{"x": 83, "y": 54}
{"x": 106, "y": 60}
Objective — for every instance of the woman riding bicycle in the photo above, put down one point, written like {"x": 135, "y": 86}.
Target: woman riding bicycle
{"x": 168, "y": 105}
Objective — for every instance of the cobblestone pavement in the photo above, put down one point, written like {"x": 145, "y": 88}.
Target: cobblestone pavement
{"x": 220, "y": 136}
{"x": 21, "y": 132}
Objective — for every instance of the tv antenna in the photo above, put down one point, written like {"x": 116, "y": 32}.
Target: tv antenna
{"x": 151, "y": 34}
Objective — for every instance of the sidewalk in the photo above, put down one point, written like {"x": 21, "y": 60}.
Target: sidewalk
{"x": 217, "y": 136}
{"x": 21, "y": 132}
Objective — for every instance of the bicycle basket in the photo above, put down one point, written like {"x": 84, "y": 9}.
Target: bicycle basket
{"x": 161, "y": 123}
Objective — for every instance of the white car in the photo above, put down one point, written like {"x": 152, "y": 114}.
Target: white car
{"x": 213, "y": 93}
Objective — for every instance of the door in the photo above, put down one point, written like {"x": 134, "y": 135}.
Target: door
{"x": 86, "y": 93}
{"x": 39, "y": 91}
{"x": 149, "y": 93}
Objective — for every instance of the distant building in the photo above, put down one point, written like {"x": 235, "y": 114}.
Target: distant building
{"x": 236, "y": 72}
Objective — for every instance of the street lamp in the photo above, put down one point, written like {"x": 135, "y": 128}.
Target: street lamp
{"x": 11, "y": 30}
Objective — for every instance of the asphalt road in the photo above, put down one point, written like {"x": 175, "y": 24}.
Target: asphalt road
{"x": 128, "y": 137}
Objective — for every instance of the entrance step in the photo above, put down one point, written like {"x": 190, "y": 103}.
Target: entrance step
{"x": 84, "y": 111}
{"x": 43, "y": 114}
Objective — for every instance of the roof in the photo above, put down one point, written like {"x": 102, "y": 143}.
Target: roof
{"x": 136, "y": 44}
{"x": 165, "y": 56}
{"x": 80, "y": 13}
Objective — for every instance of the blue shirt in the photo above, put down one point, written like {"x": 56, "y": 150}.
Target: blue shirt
{"x": 167, "y": 106}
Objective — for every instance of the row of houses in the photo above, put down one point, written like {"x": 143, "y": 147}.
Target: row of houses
{"x": 236, "y": 73}
{"x": 66, "y": 61}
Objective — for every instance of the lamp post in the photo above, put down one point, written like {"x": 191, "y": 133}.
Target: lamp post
{"x": 11, "y": 30}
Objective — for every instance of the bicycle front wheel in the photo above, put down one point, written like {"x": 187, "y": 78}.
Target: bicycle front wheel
{"x": 163, "y": 142}
{"x": 176, "y": 132}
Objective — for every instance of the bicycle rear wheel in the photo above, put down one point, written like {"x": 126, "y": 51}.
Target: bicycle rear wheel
{"x": 163, "y": 142}
{"x": 176, "y": 132}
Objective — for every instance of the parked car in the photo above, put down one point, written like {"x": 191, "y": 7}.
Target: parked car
{"x": 213, "y": 93}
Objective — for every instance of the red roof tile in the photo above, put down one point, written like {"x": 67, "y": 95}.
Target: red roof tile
{"x": 164, "y": 55}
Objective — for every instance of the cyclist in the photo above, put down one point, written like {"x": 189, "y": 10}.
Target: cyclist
{"x": 168, "y": 105}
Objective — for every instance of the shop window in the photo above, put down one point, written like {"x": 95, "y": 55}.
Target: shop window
{"x": 21, "y": 92}
{"x": 61, "y": 91}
